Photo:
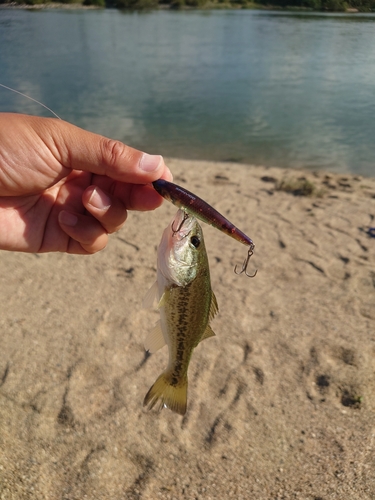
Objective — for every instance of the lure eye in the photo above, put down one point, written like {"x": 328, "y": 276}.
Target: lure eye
{"x": 195, "y": 241}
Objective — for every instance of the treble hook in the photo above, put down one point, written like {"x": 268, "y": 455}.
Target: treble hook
{"x": 174, "y": 231}
{"x": 246, "y": 263}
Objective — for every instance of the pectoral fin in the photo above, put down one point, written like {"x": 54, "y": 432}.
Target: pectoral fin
{"x": 153, "y": 296}
{"x": 155, "y": 339}
{"x": 164, "y": 299}
{"x": 150, "y": 297}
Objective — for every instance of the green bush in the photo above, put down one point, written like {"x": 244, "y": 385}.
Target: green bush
{"x": 136, "y": 4}
{"x": 363, "y": 5}
{"x": 335, "y": 5}
{"x": 312, "y": 4}
{"x": 32, "y": 2}
{"x": 98, "y": 3}
{"x": 195, "y": 3}
{"x": 177, "y": 4}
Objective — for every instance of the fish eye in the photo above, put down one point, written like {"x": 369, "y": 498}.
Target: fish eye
{"x": 195, "y": 241}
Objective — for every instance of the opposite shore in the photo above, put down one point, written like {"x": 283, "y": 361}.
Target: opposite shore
{"x": 304, "y": 6}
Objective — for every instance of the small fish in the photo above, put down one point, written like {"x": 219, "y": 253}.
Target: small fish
{"x": 199, "y": 208}
{"x": 187, "y": 305}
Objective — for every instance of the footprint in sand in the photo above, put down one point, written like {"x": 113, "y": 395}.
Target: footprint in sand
{"x": 335, "y": 373}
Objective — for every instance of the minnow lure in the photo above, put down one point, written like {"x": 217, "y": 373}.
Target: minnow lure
{"x": 191, "y": 203}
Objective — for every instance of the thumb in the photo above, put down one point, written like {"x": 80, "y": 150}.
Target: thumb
{"x": 79, "y": 149}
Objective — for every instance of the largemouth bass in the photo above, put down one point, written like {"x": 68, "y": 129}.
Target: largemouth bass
{"x": 187, "y": 304}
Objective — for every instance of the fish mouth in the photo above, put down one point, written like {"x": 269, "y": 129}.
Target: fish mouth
{"x": 182, "y": 225}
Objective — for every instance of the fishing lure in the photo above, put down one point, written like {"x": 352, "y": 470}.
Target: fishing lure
{"x": 191, "y": 203}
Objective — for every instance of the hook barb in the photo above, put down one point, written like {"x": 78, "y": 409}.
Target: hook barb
{"x": 174, "y": 231}
{"x": 246, "y": 263}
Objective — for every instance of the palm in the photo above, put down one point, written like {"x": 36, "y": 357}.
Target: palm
{"x": 31, "y": 222}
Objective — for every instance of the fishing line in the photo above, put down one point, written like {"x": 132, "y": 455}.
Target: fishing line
{"x": 31, "y": 99}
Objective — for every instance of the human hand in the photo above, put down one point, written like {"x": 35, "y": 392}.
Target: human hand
{"x": 63, "y": 189}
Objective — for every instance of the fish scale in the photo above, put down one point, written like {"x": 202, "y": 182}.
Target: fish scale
{"x": 189, "y": 322}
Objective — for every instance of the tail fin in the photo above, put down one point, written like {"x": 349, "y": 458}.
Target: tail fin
{"x": 164, "y": 392}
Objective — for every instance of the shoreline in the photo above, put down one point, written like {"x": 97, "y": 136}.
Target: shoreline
{"x": 49, "y": 5}
{"x": 208, "y": 6}
{"x": 292, "y": 171}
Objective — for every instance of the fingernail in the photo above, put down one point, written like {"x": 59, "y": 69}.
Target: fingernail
{"x": 149, "y": 163}
{"x": 99, "y": 199}
{"x": 67, "y": 218}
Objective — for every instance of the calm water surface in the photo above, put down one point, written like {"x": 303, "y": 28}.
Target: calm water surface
{"x": 283, "y": 89}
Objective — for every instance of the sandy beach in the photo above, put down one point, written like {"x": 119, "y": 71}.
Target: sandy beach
{"x": 281, "y": 403}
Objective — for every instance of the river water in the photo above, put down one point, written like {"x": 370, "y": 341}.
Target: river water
{"x": 272, "y": 88}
